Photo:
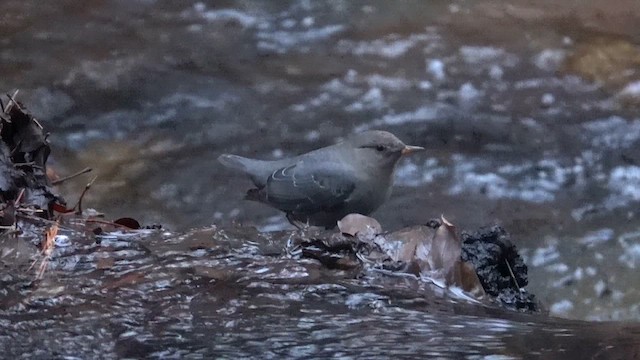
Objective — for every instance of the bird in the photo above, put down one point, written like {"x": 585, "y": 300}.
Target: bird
{"x": 322, "y": 186}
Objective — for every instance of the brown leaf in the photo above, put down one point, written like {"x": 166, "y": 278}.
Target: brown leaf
{"x": 431, "y": 249}
{"x": 437, "y": 254}
{"x": 445, "y": 249}
{"x": 354, "y": 224}
{"x": 464, "y": 275}
{"x": 61, "y": 208}
{"x": 128, "y": 222}
{"x": 410, "y": 237}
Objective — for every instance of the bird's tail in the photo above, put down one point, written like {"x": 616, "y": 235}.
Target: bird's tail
{"x": 234, "y": 162}
{"x": 258, "y": 170}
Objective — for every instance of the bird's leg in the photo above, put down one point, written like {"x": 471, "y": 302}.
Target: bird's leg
{"x": 294, "y": 222}
{"x": 291, "y": 219}
{"x": 301, "y": 226}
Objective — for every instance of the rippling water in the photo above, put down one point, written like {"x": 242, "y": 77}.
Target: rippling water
{"x": 528, "y": 112}
{"x": 205, "y": 293}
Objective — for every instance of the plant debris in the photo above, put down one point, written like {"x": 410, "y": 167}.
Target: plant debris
{"x": 483, "y": 264}
{"x": 26, "y": 190}
{"x": 24, "y": 151}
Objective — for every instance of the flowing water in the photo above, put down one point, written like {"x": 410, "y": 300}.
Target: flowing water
{"x": 528, "y": 111}
{"x": 212, "y": 292}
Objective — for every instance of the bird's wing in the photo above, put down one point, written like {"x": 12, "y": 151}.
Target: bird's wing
{"x": 295, "y": 189}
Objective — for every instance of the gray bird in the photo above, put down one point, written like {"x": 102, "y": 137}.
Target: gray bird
{"x": 322, "y": 186}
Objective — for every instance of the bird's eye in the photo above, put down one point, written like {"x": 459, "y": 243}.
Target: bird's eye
{"x": 380, "y": 148}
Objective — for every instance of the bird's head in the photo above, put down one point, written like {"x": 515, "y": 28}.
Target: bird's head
{"x": 380, "y": 147}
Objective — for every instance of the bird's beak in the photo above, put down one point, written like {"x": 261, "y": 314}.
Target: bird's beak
{"x": 409, "y": 149}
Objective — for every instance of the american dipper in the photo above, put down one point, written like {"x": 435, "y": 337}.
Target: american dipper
{"x": 322, "y": 186}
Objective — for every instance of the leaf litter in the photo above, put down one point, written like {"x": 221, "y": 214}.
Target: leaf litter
{"x": 484, "y": 265}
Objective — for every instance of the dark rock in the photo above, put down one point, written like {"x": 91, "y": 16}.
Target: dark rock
{"x": 501, "y": 270}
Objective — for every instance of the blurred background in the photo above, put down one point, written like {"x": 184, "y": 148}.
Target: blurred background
{"x": 528, "y": 110}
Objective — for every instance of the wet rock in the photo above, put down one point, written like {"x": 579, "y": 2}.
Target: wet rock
{"x": 501, "y": 270}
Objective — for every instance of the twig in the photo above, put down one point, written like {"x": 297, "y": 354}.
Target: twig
{"x": 31, "y": 163}
{"x": 40, "y": 220}
{"x": 19, "y": 198}
{"x": 12, "y": 102}
{"x": 68, "y": 177}
{"x": 513, "y": 276}
{"x": 37, "y": 123}
{"x": 86, "y": 188}
{"x": 29, "y": 210}
{"x": 15, "y": 149}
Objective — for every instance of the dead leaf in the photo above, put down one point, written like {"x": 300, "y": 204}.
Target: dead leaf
{"x": 354, "y": 224}
{"x": 464, "y": 275}
{"x": 445, "y": 247}
{"x": 437, "y": 254}
{"x": 61, "y": 208}
{"x": 410, "y": 237}
{"x": 128, "y": 222}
